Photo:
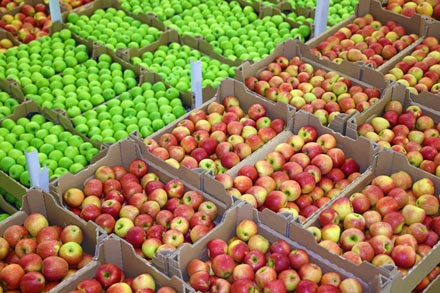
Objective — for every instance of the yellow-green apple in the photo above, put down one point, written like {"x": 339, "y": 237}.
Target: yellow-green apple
{"x": 364, "y": 250}
{"x": 73, "y": 197}
{"x": 349, "y": 237}
{"x": 331, "y": 232}
{"x": 71, "y": 252}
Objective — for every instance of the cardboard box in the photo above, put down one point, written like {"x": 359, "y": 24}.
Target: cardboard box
{"x": 426, "y": 101}
{"x": 432, "y": 29}
{"x": 273, "y": 228}
{"x": 360, "y": 75}
{"x": 386, "y": 163}
{"x": 14, "y": 189}
{"x": 434, "y": 286}
{"x": 37, "y": 201}
{"x": 195, "y": 43}
{"x": 413, "y": 25}
{"x": 29, "y": 108}
{"x": 361, "y": 150}
{"x": 119, "y": 252}
{"x": 122, "y": 153}
{"x": 228, "y": 87}
{"x": 91, "y": 7}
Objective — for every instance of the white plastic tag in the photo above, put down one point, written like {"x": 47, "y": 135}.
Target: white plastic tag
{"x": 55, "y": 10}
{"x": 196, "y": 82}
{"x": 37, "y": 177}
{"x": 321, "y": 16}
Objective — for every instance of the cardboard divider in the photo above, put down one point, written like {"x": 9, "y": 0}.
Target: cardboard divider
{"x": 270, "y": 226}
{"x": 119, "y": 252}
{"x": 413, "y": 25}
{"x": 361, "y": 150}
{"x": 426, "y": 101}
{"x": 386, "y": 163}
{"x": 7, "y": 35}
{"x": 122, "y": 153}
{"x": 229, "y": 87}
{"x": 434, "y": 286}
{"x": 360, "y": 75}
{"x": 37, "y": 201}
{"x": 10, "y": 86}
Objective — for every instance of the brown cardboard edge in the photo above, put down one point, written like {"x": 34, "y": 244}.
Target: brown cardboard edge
{"x": 119, "y": 252}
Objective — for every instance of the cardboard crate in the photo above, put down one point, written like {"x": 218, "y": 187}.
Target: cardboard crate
{"x": 119, "y": 252}
{"x": 37, "y": 201}
{"x": 29, "y": 2}
{"x": 414, "y": 25}
{"x": 90, "y": 8}
{"x": 273, "y": 228}
{"x": 228, "y": 87}
{"x": 170, "y": 36}
{"x": 433, "y": 30}
{"x": 360, "y": 75}
{"x": 361, "y": 150}
{"x": 29, "y": 108}
{"x": 7, "y": 35}
{"x": 434, "y": 286}
{"x": 122, "y": 153}
{"x": 426, "y": 101}
{"x": 386, "y": 163}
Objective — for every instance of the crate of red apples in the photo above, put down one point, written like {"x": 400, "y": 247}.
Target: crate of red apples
{"x": 127, "y": 195}
{"x": 218, "y": 135}
{"x": 388, "y": 223}
{"x": 250, "y": 251}
{"x": 405, "y": 123}
{"x": 297, "y": 172}
{"x": 332, "y": 92}
{"x": 42, "y": 245}
{"x": 117, "y": 269}
{"x": 372, "y": 36}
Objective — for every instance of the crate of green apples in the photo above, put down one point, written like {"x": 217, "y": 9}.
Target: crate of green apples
{"x": 11, "y": 194}
{"x": 144, "y": 109}
{"x": 170, "y": 57}
{"x": 61, "y": 148}
{"x": 372, "y": 36}
{"x": 103, "y": 22}
{"x": 234, "y": 31}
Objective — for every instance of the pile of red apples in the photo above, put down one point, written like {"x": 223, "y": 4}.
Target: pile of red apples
{"x": 314, "y": 90}
{"x": 408, "y": 131}
{"x": 249, "y": 262}
{"x": 419, "y": 71}
{"x": 109, "y": 278}
{"x": 299, "y": 176}
{"x": 391, "y": 221}
{"x": 135, "y": 205}
{"x": 430, "y": 8}
{"x": 30, "y": 23}
{"x": 218, "y": 138}
{"x": 366, "y": 40}
{"x": 36, "y": 256}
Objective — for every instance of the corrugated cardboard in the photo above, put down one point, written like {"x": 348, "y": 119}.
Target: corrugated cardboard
{"x": 360, "y": 75}
{"x": 119, "y": 252}
{"x": 269, "y": 225}
{"x": 361, "y": 150}
{"x": 122, "y": 153}
{"x": 228, "y": 87}
{"x": 413, "y": 25}
{"x": 37, "y": 201}
{"x": 386, "y": 163}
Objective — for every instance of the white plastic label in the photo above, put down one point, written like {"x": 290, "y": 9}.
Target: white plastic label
{"x": 55, "y": 10}
{"x": 321, "y": 16}
{"x": 37, "y": 177}
{"x": 196, "y": 82}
